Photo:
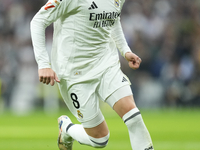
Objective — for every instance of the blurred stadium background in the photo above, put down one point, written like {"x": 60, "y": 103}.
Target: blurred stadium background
{"x": 164, "y": 33}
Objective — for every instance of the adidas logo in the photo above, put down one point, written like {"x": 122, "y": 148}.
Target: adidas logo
{"x": 151, "y": 147}
{"x": 93, "y": 6}
{"x": 124, "y": 79}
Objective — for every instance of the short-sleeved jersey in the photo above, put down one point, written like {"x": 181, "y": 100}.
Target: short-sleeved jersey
{"x": 83, "y": 45}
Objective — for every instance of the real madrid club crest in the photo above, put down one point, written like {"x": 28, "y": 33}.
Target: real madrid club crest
{"x": 80, "y": 115}
{"x": 116, "y": 3}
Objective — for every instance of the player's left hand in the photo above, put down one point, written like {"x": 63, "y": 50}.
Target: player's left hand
{"x": 133, "y": 60}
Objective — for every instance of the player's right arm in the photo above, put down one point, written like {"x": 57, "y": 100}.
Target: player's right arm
{"x": 47, "y": 75}
{"x": 49, "y": 13}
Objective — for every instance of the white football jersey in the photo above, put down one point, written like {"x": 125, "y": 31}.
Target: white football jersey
{"x": 86, "y": 33}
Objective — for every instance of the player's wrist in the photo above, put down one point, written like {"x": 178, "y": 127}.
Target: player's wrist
{"x": 125, "y": 51}
{"x": 126, "y": 55}
{"x": 44, "y": 66}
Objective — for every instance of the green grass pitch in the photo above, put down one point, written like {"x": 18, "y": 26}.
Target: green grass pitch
{"x": 170, "y": 129}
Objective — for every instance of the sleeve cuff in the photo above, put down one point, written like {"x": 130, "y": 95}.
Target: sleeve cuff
{"x": 125, "y": 51}
{"x": 46, "y": 65}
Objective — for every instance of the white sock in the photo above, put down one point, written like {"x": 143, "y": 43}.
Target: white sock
{"x": 138, "y": 133}
{"x": 78, "y": 133}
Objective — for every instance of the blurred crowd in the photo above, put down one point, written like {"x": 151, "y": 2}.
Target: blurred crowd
{"x": 164, "y": 33}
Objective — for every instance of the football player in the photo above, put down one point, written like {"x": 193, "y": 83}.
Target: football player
{"x": 85, "y": 63}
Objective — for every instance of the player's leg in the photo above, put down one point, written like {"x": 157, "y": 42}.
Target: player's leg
{"x": 127, "y": 110}
{"x": 99, "y": 131}
{"x": 118, "y": 95}
{"x": 82, "y": 101}
{"x": 96, "y": 137}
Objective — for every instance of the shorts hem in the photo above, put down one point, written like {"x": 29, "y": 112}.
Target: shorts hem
{"x": 118, "y": 94}
{"x": 95, "y": 121}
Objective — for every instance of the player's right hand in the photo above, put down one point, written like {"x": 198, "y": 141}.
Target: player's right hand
{"x": 47, "y": 75}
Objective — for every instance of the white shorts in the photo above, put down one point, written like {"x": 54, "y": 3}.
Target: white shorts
{"x": 82, "y": 98}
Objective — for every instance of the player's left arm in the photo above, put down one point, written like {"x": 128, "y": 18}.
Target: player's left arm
{"x": 118, "y": 36}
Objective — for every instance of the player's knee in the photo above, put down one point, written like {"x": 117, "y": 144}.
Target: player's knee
{"x": 99, "y": 142}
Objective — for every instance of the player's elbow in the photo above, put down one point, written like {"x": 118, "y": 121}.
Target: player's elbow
{"x": 37, "y": 24}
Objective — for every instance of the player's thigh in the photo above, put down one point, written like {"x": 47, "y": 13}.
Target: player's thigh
{"x": 112, "y": 80}
{"x": 83, "y": 102}
{"x": 124, "y": 105}
{"x": 116, "y": 91}
{"x": 122, "y": 100}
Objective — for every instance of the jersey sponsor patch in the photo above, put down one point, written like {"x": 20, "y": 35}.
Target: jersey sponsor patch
{"x": 104, "y": 19}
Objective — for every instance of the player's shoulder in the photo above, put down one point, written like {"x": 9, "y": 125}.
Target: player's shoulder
{"x": 52, "y": 5}
{"x": 56, "y": 3}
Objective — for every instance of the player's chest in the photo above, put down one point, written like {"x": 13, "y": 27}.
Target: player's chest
{"x": 100, "y": 7}
{"x": 99, "y": 13}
